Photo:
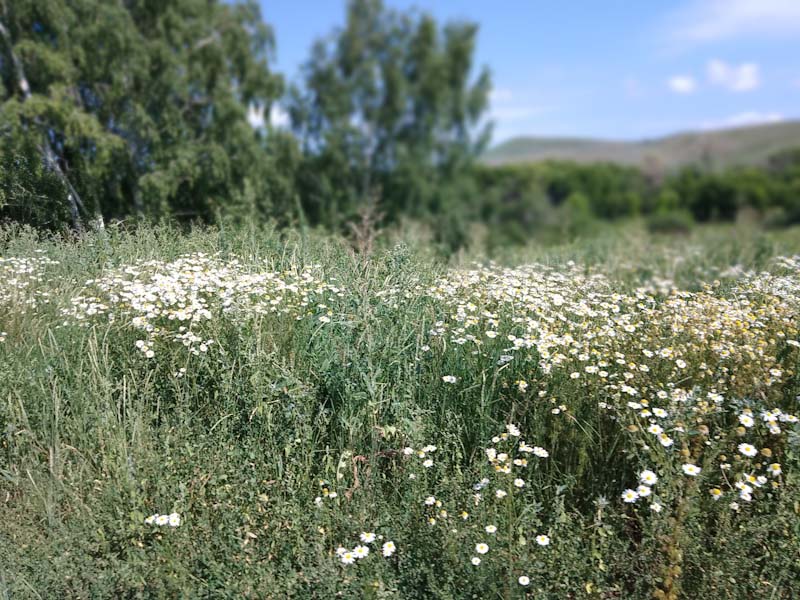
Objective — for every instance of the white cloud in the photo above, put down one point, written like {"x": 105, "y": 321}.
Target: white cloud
{"x": 682, "y": 84}
{"x": 742, "y": 78}
{"x": 752, "y": 117}
{"x": 713, "y": 20}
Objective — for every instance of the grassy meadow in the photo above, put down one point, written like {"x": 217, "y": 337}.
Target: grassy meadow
{"x": 246, "y": 413}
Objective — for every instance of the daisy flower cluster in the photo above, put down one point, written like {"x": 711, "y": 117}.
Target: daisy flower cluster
{"x": 531, "y": 308}
{"x": 509, "y": 459}
{"x": 647, "y": 480}
{"x": 751, "y": 467}
{"x": 509, "y": 463}
{"x": 173, "y": 301}
{"x": 666, "y": 365}
{"x": 424, "y": 457}
{"x": 435, "y": 510}
{"x": 742, "y": 456}
{"x": 170, "y": 520}
{"x": 325, "y": 493}
{"x": 508, "y": 456}
{"x": 631, "y": 345}
{"x": 362, "y": 549}
{"x": 20, "y": 279}
{"x": 424, "y": 454}
{"x": 782, "y": 284}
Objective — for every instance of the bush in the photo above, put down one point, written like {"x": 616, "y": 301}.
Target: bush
{"x": 674, "y": 221}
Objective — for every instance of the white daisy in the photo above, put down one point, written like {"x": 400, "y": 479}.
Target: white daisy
{"x": 367, "y": 537}
{"x": 647, "y": 477}
{"x": 748, "y": 449}
{"x": 691, "y": 470}
{"x": 630, "y": 496}
{"x": 388, "y": 548}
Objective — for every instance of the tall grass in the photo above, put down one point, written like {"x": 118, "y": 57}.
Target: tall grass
{"x": 285, "y": 439}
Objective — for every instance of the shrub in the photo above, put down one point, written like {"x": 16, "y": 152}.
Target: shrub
{"x": 674, "y": 221}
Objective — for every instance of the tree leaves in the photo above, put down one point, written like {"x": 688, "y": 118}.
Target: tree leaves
{"x": 388, "y": 108}
{"x": 142, "y": 98}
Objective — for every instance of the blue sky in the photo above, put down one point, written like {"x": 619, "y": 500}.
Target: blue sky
{"x": 605, "y": 68}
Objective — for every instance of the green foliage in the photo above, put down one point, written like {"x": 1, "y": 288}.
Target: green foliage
{"x": 140, "y": 110}
{"x": 551, "y": 199}
{"x": 667, "y": 201}
{"x": 670, "y": 221}
{"x": 388, "y": 110}
{"x": 30, "y": 193}
{"x": 577, "y": 214}
{"x": 520, "y": 201}
{"x": 144, "y": 104}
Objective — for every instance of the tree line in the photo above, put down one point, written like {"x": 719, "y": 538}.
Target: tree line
{"x": 138, "y": 109}
{"x": 567, "y": 198}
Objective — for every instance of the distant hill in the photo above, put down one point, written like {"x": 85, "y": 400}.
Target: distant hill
{"x": 724, "y": 147}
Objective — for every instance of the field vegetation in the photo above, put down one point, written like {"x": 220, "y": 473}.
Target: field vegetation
{"x": 265, "y": 337}
{"x": 249, "y": 413}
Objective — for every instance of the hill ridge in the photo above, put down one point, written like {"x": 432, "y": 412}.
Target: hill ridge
{"x": 744, "y": 145}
